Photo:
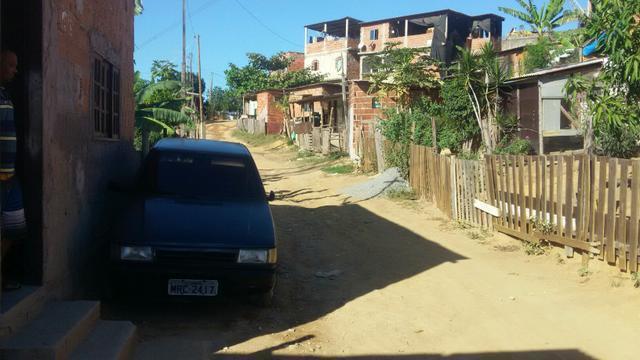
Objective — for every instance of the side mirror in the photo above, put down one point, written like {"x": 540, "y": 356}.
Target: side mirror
{"x": 271, "y": 196}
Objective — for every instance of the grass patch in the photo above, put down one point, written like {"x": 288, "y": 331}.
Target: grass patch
{"x": 339, "y": 169}
{"x": 255, "y": 139}
{"x": 401, "y": 194}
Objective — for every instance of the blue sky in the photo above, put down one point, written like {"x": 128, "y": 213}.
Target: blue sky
{"x": 228, "y": 31}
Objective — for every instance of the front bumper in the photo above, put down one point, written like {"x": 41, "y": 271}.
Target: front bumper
{"x": 151, "y": 279}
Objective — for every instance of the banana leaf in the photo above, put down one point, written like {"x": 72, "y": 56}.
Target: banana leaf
{"x": 144, "y": 95}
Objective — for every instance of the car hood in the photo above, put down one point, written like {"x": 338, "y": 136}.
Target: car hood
{"x": 187, "y": 223}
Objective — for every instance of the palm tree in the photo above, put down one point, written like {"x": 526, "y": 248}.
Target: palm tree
{"x": 484, "y": 77}
{"x": 545, "y": 20}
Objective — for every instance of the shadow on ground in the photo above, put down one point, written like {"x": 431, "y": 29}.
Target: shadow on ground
{"x": 366, "y": 251}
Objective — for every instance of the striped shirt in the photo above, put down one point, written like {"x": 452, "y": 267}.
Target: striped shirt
{"x": 8, "y": 145}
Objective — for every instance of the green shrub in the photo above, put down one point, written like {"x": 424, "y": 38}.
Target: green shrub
{"x": 614, "y": 141}
{"x": 513, "y": 147}
{"x": 538, "y": 55}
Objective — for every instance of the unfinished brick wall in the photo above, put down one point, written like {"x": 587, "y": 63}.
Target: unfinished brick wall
{"x": 76, "y": 163}
{"x": 361, "y": 107}
{"x": 383, "y": 37}
{"x": 297, "y": 62}
{"x": 422, "y": 40}
{"x": 268, "y": 111}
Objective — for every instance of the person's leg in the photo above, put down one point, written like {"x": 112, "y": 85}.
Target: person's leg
{"x": 14, "y": 226}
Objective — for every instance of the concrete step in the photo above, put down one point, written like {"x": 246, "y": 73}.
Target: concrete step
{"x": 54, "y": 334}
{"x": 110, "y": 340}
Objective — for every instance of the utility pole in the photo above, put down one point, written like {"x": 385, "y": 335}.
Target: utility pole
{"x": 183, "y": 76}
{"x": 211, "y": 104}
{"x": 203, "y": 130}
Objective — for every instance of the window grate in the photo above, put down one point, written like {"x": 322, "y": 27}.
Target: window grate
{"x": 106, "y": 99}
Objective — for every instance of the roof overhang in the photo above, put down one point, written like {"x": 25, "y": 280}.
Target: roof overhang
{"x": 336, "y": 27}
{"x": 559, "y": 69}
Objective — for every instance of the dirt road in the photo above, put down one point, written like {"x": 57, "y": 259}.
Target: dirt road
{"x": 407, "y": 284}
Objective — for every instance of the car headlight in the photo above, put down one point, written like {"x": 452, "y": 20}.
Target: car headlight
{"x": 257, "y": 256}
{"x": 136, "y": 253}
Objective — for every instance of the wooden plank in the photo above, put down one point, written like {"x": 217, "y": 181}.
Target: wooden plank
{"x": 581, "y": 200}
{"x": 567, "y": 242}
{"x": 551, "y": 206}
{"x": 521, "y": 189}
{"x": 544, "y": 189}
{"x": 568, "y": 212}
{"x": 602, "y": 192}
{"x": 514, "y": 191}
{"x": 495, "y": 180}
{"x": 611, "y": 212}
{"x": 498, "y": 176}
{"x": 487, "y": 208}
{"x": 560, "y": 196}
{"x": 635, "y": 217}
{"x": 508, "y": 191}
{"x": 530, "y": 204}
{"x": 516, "y": 233}
{"x": 621, "y": 239}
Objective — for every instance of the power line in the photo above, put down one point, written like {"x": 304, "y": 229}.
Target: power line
{"x": 173, "y": 25}
{"x": 265, "y": 25}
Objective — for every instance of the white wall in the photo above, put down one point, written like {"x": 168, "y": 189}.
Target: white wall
{"x": 327, "y": 63}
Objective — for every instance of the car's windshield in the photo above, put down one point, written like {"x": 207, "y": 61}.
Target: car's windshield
{"x": 205, "y": 177}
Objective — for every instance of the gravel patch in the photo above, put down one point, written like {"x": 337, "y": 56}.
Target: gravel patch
{"x": 379, "y": 185}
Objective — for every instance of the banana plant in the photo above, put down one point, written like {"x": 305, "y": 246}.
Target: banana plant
{"x": 138, "y": 8}
{"x": 160, "y": 107}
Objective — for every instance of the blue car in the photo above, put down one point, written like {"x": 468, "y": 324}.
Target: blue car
{"x": 198, "y": 226}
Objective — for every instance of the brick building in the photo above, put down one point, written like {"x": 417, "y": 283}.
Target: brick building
{"x": 75, "y": 112}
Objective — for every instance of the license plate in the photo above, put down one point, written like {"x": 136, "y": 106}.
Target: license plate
{"x": 185, "y": 287}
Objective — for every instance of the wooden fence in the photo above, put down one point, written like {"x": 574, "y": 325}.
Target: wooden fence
{"x": 251, "y": 125}
{"x": 586, "y": 203}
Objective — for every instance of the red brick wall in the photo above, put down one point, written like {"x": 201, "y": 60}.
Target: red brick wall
{"x": 361, "y": 103}
{"x": 297, "y": 61}
{"x": 274, "y": 116}
{"x": 77, "y": 165}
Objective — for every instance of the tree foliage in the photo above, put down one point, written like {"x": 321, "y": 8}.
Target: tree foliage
{"x": 263, "y": 72}
{"x": 222, "y": 100}
{"x": 545, "y": 19}
{"x": 398, "y": 71}
{"x": 611, "y": 101}
{"x": 164, "y": 70}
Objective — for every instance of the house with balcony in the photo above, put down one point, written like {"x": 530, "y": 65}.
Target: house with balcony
{"x": 439, "y": 33}
{"x": 331, "y": 48}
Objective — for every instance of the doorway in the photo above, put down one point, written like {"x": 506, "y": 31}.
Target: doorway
{"x": 21, "y": 32}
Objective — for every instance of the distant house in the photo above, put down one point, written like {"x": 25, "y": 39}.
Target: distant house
{"x": 539, "y": 102}
{"x": 75, "y": 109}
{"x": 261, "y": 112}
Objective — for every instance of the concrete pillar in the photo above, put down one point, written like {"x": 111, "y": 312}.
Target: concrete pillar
{"x": 406, "y": 33}
{"x": 306, "y": 39}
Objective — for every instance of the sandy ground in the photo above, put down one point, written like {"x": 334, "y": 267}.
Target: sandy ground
{"x": 410, "y": 285}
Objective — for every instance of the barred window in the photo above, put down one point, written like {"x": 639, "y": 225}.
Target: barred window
{"x": 106, "y": 99}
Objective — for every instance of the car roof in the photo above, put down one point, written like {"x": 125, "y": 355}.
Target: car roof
{"x": 212, "y": 147}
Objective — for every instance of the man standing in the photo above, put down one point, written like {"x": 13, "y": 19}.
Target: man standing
{"x": 13, "y": 224}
